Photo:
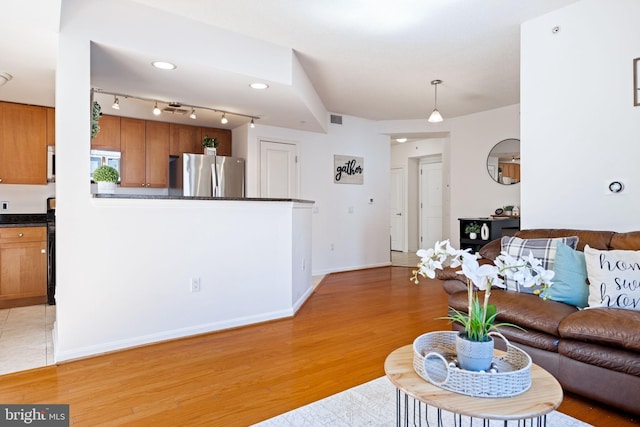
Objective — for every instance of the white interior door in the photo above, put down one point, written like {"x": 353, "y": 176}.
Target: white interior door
{"x": 430, "y": 202}
{"x": 397, "y": 211}
{"x": 278, "y": 170}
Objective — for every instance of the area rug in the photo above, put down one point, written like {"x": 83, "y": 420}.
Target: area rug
{"x": 373, "y": 404}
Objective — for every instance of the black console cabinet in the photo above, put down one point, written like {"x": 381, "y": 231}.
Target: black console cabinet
{"x": 498, "y": 227}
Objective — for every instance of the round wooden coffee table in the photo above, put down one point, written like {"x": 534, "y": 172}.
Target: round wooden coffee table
{"x": 544, "y": 395}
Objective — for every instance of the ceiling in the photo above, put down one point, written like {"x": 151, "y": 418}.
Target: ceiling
{"x": 367, "y": 58}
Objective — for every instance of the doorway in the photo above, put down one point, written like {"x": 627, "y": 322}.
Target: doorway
{"x": 397, "y": 210}
{"x": 431, "y": 201}
{"x": 278, "y": 170}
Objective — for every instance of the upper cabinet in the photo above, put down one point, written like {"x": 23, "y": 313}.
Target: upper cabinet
{"x": 224, "y": 139}
{"x": 145, "y": 153}
{"x": 109, "y": 136}
{"x": 51, "y": 126}
{"x": 23, "y": 144}
{"x": 184, "y": 139}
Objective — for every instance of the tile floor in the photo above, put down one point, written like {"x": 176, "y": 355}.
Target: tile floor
{"x": 26, "y": 338}
{"x": 404, "y": 259}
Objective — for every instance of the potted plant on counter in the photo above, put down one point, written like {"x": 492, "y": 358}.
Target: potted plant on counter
{"x": 107, "y": 178}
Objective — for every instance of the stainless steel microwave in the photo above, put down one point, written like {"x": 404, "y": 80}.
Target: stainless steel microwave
{"x": 103, "y": 157}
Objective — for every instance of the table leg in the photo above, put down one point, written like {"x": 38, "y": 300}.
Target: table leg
{"x": 403, "y": 418}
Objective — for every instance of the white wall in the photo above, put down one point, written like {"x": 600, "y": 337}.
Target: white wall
{"x": 360, "y": 239}
{"x": 580, "y": 129}
{"x": 26, "y": 198}
{"x": 124, "y": 266}
{"x": 473, "y": 192}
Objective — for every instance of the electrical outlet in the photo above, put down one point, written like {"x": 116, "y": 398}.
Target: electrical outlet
{"x": 5, "y": 206}
{"x": 195, "y": 284}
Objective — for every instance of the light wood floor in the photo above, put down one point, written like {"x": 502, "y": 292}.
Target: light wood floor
{"x": 339, "y": 339}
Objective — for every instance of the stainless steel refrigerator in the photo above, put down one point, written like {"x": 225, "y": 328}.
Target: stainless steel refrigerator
{"x": 206, "y": 176}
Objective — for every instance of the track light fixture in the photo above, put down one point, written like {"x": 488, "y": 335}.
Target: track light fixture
{"x": 435, "y": 116}
{"x": 157, "y": 111}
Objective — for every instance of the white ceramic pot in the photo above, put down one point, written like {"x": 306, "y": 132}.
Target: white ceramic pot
{"x": 105, "y": 187}
{"x": 473, "y": 236}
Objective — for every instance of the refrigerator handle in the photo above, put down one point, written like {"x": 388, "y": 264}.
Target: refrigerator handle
{"x": 216, "y": 183}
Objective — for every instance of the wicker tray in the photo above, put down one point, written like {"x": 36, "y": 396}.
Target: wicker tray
{"x": 434, "y": 356}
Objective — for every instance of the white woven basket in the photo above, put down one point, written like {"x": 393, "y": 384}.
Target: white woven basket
{"x": 433, "y": 355}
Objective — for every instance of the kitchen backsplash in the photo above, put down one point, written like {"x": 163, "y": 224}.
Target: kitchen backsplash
{"x": 26, "y": 198}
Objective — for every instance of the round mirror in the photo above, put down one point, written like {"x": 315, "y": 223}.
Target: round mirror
{"x": 503, "y": 163}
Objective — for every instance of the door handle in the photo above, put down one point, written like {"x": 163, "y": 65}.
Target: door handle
{"x": 399, "y": 214}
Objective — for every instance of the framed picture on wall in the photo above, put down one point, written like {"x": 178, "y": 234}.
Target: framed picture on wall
{"x": 636, "y": 82}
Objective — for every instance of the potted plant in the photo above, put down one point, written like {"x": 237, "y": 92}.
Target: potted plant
{"x": 210, "y": 144}
{"x": 106, "y": 177}
{"x": 96, "y": 112}
{"x": 480, "y": 318}
{"x": 508, "y": 209}
{"x": 472, "y": 229}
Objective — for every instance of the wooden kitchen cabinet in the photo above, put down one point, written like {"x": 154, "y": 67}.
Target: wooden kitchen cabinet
{"x": 51, "y": 126}
{"x": 224, "y": 139}
{"x": 157, "y": 154}
{"x": 109, "y": 136}
{"x": 23, "y": 144}
{"x": 145, "y": 153}
{"x": 23, "y": 266}
{"x": 184, "y": 139}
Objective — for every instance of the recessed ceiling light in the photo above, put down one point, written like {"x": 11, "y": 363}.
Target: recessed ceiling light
{"x": 259, "y": 86}
{"x": 164, "y": 65}
{"x": 401, "y": 139}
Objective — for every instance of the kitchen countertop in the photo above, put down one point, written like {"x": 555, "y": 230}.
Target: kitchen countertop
{"x": 23, "y": 220}
{"x": 22, "y": 225}
{"x": 242, "y": 199}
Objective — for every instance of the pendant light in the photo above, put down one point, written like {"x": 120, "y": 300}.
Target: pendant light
{"x": 116, "y": 103}
{"x": 193, "y": 114}
{"x": 156, "y": 110}
{"x": 224, "y": 120}
{"x": 435, "y": 116}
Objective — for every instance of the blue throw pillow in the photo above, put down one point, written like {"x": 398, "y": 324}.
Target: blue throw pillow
{"x": 570, "y": 281}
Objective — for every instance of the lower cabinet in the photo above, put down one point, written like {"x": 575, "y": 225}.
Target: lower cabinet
{"x": 23, "y": 266}
{"x": 496, "y": 228}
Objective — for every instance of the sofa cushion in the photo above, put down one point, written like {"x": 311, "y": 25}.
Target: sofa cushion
{"x": 603, "y": 356}
{"x": 625, "y": 241}
{"x": 614, "y": 278}
{"x": 525, "y": 310}
{"x": 542, "y": 249}
{"x": 570, "y": 280}
{"x": 606, "y": 326}
{"x": 595, "y": 239}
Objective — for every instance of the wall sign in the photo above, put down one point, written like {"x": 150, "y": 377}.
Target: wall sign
{"x": 348, "y": 169}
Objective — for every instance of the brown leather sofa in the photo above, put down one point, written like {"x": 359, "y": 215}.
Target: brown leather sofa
{"x": 593, "y": 352}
